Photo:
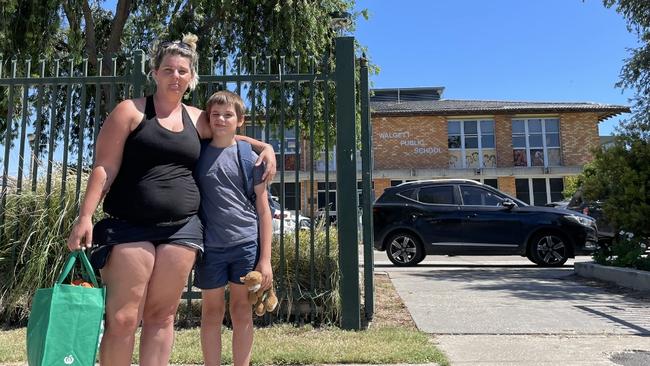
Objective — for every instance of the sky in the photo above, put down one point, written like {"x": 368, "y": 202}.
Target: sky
{"x": 514, "y": 50}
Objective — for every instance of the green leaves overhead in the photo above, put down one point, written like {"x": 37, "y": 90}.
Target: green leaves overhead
{"x": 635, "y": 74}
{"x": 87, "y": 27}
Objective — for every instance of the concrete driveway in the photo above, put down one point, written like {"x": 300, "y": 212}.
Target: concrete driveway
{"x": 508, "y": 311}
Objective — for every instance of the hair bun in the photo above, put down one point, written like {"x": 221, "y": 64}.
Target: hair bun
{"x": 190, "y": 40}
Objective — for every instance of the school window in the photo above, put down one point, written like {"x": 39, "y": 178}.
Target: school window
{"x": 536, "y": 142}
{"x": 360, "y": 192}
{"x": 325, "y": 196}
{"x": 291, "y": 198}
{"x": 539, "y": 191}
{"x": 286, "y": 142}
{"x": 256, "y": 132}
{"x": 494, "y": 183}
{"x": 471, "y": 144}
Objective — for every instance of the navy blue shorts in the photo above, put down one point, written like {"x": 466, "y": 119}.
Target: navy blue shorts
{"x": 218, "y": 266}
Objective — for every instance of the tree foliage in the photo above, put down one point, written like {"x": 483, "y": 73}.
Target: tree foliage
{"x": 243, "y": 33}
{"x": 621, "y": 175}
{"x": 85, "y": 28}
{"x": 635, "y": 74}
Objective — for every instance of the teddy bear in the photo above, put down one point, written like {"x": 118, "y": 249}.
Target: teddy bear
{"x": 262, "y": 301}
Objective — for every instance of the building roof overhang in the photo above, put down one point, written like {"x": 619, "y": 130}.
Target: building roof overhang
{"x": 447, "y": 107}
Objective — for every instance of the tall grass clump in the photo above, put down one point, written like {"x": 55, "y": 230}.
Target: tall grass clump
{"x": 32, "y": 245}
{"x": 307, "y": 276}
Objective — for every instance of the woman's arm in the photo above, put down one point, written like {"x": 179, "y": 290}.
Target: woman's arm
{"x": 109, "y": 149}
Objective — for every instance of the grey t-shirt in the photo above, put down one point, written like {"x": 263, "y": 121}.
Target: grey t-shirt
{"x": 228, "y": 215}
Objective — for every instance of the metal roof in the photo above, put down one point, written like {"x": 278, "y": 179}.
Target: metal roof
{"x": 473, "y": 107}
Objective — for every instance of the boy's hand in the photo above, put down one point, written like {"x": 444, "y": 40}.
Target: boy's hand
{"x": 264, "y": 267}
{"x": 267, "y": 156}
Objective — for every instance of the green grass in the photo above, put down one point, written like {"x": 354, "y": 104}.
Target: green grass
{"x": 288, "y": 345}
{"x": 12, "y": 345}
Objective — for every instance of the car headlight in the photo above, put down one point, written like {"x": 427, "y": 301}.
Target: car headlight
{"x": 585, "y": 221}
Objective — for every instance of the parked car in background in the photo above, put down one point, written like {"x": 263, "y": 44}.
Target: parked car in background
{"x": 594, "y": 209}
{"x": 289, "y": 218}
{"x": 464, "y": 217}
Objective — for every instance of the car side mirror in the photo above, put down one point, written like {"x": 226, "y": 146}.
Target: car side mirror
{"x": 508, "y": 204}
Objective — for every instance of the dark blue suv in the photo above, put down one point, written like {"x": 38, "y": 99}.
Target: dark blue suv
{"x": 464, "y": 217}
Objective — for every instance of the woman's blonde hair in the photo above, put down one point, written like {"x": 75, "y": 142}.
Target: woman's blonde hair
{"x": 185, "y": 48}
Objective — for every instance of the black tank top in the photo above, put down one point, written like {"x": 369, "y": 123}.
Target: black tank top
{"x": 155, "y": 182}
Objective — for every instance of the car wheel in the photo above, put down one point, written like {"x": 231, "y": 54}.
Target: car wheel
{"x": 404, "y": 249}
{"x": 548, "y": 250}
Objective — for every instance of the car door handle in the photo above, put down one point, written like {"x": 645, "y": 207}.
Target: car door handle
{"x": 472, "y": 215}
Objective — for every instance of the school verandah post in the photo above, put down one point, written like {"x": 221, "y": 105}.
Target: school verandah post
{"x": 54, "y": 111}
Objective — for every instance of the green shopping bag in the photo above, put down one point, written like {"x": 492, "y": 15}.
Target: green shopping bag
{"x": 66, "y": 321}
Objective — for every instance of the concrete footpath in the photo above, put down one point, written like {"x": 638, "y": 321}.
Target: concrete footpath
{"x": 486, "y": 311}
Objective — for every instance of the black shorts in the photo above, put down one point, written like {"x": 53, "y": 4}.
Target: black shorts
{"x": 112, "y": 231}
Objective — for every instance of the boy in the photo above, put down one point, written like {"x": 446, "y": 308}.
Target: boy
{"x": 230, "y": 234}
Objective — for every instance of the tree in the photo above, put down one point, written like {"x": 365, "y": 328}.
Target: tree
{"x": 84, "y": 27}
{"x": 635, "y": 74}
{"x": 232, "y": 30}
{"x": 621, "y": 175}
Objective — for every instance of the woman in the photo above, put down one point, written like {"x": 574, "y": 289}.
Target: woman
{"x": 145, "y": 154}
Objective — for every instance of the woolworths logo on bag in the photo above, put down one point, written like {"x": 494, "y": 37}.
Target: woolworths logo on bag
{"x": 68, "y": 360}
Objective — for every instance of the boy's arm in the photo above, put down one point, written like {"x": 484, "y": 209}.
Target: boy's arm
{"x": 265, "y": 232}
{"x": 266, "y": 155}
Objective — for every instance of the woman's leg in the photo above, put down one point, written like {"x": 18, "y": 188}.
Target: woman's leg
{"x": 241, "y": 313}
{"x": 126, "y": 276}
{"x": 172, "y": 266}
{"x": 213, "y": 308}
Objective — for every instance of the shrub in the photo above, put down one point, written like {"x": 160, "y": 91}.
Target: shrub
{"x": 307, "y": 276}
{"x": 306, "y": 279}
{"x": 620, "y": 176}
{"x": 33, "y": 251}
{"x": 626, "y": 250}
{"x": 32, "y": 248}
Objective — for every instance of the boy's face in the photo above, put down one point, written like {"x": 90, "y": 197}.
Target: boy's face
{"x": 224, "y": 120}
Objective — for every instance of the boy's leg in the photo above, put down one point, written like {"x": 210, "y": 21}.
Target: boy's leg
{"x": 213, "y": 307}
{"x": 211, "y": 277}
{"x": 242, "y": 325}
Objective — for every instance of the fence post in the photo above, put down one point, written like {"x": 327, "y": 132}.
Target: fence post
{"x": 346, "y": 173}
{"x": 368, "y": 196}
{"x": 138, "y": 77}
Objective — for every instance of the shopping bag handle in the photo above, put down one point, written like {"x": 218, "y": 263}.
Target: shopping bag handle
{"x": 84, "y": 263}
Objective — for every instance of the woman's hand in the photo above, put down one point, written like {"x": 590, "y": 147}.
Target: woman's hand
{"x": 81, "y": 236}
{"x": 268, "y": 157}
{"x": 264, "y": 267}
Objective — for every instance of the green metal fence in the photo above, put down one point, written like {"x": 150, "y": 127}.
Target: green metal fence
{"x": 51, "y": 112}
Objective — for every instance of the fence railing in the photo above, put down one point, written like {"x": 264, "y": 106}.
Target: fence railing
{"x": 51, "y": 112}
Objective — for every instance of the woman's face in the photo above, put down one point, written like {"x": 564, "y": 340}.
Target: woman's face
{"x": 174, "y": 74}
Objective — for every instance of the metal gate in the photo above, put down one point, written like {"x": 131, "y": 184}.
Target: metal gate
{"x": 54, "y": 110}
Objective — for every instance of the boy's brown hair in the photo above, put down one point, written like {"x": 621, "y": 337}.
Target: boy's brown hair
{"x": 225, "y": 97}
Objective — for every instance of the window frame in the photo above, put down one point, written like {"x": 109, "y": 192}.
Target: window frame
{"x": 545, "y": 148}
{"x": 479, "y": 136}
{"x": 531, "y": 192}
